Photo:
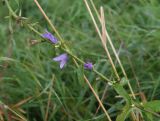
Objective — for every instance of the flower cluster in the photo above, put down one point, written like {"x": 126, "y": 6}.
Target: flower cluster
{"x": 63, "y": 58}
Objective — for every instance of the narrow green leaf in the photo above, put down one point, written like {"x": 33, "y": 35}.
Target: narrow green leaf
{"x": 122, "y": 92}
{"x": 122, "y": 116}
{"x": 153, "y": 105}
{"x": 126, "y": 110}
{"x": 148, "y": 116}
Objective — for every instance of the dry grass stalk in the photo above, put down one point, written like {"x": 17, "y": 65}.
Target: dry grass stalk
{"x": 114, "y": 50}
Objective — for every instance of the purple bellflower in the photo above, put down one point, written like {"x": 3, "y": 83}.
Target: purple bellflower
{"x": 88, "y": 66}
{"x": 49, "y": 36}
{"x": 62, "y": 59}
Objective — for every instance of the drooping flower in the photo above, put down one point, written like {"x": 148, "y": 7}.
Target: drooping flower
{"x": 62, "y": 59}
{"x": 88, "y": 66}
{"x": 49, "y": 36}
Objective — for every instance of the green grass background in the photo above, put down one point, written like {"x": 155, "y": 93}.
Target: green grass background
{"x": 134, "y": 27}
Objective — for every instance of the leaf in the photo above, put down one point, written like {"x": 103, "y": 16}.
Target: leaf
{"x": 124, "y": 114}
{"x": 153, "y": 105}
{"x": 126, "y": 110}
{"x": 121, "y": 91}
{"x": 148, "y": 116}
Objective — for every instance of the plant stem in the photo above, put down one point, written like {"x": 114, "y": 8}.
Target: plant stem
{"x": 147, "y": 110}
{"x": 97, "y": 97}
{"x": 11, "y": 10}
{"x": 102, "y": 40}
{"x": 66, "y": 49}
{"x": 75, "y": 57}
{"x": 114, "y": 51}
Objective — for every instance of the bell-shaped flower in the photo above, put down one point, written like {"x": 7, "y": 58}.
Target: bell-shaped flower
{"x": 88, "y": 66}
{"x": 62, "y": 59}
{"x": 49, "y": 36}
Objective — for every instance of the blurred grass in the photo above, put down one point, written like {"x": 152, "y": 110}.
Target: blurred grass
{"x": 134, "y": 25}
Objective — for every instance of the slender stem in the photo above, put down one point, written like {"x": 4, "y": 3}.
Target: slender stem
{"x": 71, "y": 54}
{"x": 106, "y": 87}
{"x": 10, "y": 9}
{"x": 105, "y": 48}
{"x": 147, "y": 110}
{"x": 50, "y": 23}
{"x": 98, "y": 73}
{"x": 74, "y": 57}
{"x": 48, "y": 104}
{"x": 97, "y": 97}
{"x": 92, "y": 89}
{"x": 46, "y": 17}
{"x": 102, "y": 76}
{"x": 114, "y": 51}
{"x": 14, "y": 112}
{"x": 33, "y": 29}
{"x": 66, "y": 49}
{"x": 54, "y": 29}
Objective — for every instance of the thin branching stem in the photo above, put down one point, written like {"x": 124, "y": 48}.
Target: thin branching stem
{"x": 74, "y": 57}
{"x": 65, "y": 48}
{"x": 11, "y": 10}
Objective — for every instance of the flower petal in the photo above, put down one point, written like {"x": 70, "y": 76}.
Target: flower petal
{"x": 88, "y": 65}
{"x": 62, "y": 63}
{"x": 49, "y": 36}
{"x": 61, "y": 57}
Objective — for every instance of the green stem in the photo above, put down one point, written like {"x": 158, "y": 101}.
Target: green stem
{"x": 102, "y": 76}
{"x": 33, "y": 29}
{"x": 66, "y": 49}
{"x": 11, "y": 10}
{"x": 81, "y": 61}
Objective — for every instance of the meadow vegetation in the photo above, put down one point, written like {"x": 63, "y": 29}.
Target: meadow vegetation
{"x": 34, "y": 88}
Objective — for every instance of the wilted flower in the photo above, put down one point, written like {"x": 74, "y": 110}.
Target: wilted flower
{"x": 62, "y": 59}
{"x": 88, "y": 66}
{"x": 34, "y": 42}
{"x": 48, "y": 35}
